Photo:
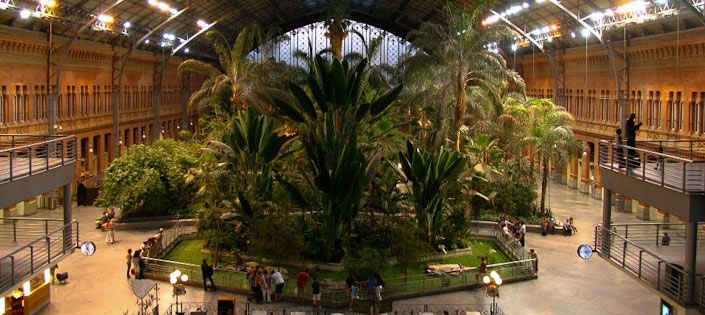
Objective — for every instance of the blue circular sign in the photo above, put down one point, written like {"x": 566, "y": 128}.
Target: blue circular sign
{"x": 585, "y": 251}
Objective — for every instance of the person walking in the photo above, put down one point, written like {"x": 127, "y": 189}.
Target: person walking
{"x": 267, "y": 289}
{"x": 207, "y": 273}
{"x": 129, "y": 261}
{"x": 278, "y": 281}
{"x": 142, "y": 265}
{"x": 535, "y": 261}
{"x": 301, "y": 283}
{"x": 316, "y": 291}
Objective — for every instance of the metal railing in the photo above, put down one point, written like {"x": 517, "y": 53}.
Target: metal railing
{"x": 37, "y": 255}
{"x": 651, "y": 234}
{"x": 680, "y": 174}
{"x": 208, "y": 308}
{"x": 691, "y": 149}
{"x": 25, "y": 155}
{"x": 13, "y": 230}
{"x": 521, "y": 268}
{"x": 669, "y": 279}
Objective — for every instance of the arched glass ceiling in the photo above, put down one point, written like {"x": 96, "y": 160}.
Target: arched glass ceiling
{"x": 390, "y": 49}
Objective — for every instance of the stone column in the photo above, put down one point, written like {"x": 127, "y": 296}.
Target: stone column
{"x": 585, "y": 176}
{"x": 619, "y": 202}
{"x": 646, "y": 212}
{"x": 597, "y": 172}
{"x": 573, "y": 174}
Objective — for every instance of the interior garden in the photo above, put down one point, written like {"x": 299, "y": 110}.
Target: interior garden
{"x": 341, "y": 159}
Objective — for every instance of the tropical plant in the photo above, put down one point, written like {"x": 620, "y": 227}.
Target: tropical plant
{"x": 429, "y": 175}
{"x": 549, "y": 135}
{"x": 329, "y": 122}
{"x": 484, "y": 153}
{"x": 149, "y": 180}
{"x": 336, "y": 13}
{"x": 456, "y": 53}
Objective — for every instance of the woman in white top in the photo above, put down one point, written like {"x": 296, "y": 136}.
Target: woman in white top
{"x": 267, "y": 286}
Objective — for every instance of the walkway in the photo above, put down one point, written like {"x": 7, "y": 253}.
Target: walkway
{"x": 566, "y": 283}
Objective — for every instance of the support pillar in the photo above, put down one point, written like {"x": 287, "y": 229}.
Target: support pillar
{"x": 619, "y": 203}
{"x": 67, "y": 217}
{"x": 100, "y": 153}
{"x": 573, "y": 174}
{"x": 585, "y": 176}
{"x": 646, "y": 212}
{"x": 668, "y": 218}
{"x": 607, "y": 208}
{"x": 628, "y": 205}
{"x": 691, "y": 240}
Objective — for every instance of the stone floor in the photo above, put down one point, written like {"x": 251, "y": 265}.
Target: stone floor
{"x": 566, "y": 283}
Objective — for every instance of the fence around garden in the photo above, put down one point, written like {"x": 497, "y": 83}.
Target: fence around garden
{"x": 278, "y": 309}
{"x": 413, "y": 285}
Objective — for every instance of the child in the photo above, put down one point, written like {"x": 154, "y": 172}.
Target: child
{"x": 316, "y": 289}
{"x": 353, "y": 294}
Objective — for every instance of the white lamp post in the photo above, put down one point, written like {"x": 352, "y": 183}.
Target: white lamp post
{"x": 493, "y": 281}
{"x": 179, "y": 288}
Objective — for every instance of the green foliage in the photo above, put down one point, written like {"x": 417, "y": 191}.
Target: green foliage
{"x": 362, "y": 262}
{"x": 330, "y": 122}
{"x": 429, "y": 174}
{"x": 278, "y": 238}
{"x": 407, "y": 248}
{"x": 149, "y": 180}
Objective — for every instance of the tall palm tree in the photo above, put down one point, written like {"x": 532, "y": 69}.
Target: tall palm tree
{"x": 236, "y": 81}
{"x": 549, "y": 135}
{"x": 458, "y": 49}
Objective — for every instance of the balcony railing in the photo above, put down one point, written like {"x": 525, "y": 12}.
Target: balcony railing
{"x": 14, "y": 230}
{"x": 264, "y": 309}
{"x": 666, "y": 170}
{"x": 650, "y": 233}
{"x": 25, "y": 155}
{"x": 37, "y": 255}
{"x": 667, "y": 278}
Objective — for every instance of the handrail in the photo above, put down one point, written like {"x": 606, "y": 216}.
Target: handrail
{"x": 33, "y": 144}
{"x": 39, "y": 239}
{"x": 647, "y": 151}
{"x": 641, "y": 248}
{"x": 34, "y": 157}
{"x": 30, "y": 219}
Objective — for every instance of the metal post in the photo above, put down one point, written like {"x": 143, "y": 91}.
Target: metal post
{"x": 31, "y": 258}
{"x": 691, "y": 240}
{"x": 29, "y": 158}
{"x": 684, "y": 176}
{"x": 14, "y": 230}
{"x": 663, "y": 171}
{"x": 658, "y": 232}
{"x": 46, "y": 154}
{"x": 641, "y": 252}
{"x": 67, "y": 214}
{"x": 624, "y": 252}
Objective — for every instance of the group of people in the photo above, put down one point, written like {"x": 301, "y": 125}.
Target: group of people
{"x": 135, "y": 264}
{"x": 516, "y": 230}
{"x": 628, "y": 158}
{"x": 107, "y": 222}
{"x": 265, "y": 284}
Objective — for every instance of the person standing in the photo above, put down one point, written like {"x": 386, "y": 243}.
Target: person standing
{"x": 110, "y": 234}
{"x": 301, "y": 283}
{"x": 535, "y": 261}
{"x": 316, "y": 291}
{"x": 522, "y": 233}
{"x": 207, "y": 273}
{"x": 136, "y": 264}
{"x": 632, "y": 128}
{"x": 267, "y": 277}
{"x": 129, "y": 261}
{"x": 278, "y": 280}
{"x": 482, "y": 270}
{"x": 618, "y": 148}
{"x": 142, "y": 265}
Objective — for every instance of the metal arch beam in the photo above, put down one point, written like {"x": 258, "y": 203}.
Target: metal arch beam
{"x": 56, "y": 60}
{"x": 692, "y": 8}
{"x": 558, "y": 81}
{"x": 619, "y": 63}
{"x": 203, "y": 30}
{"x": 119, "y": 64}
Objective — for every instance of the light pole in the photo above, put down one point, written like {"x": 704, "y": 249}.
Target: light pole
{"x": 493, "y": 281}
{"x": 179, "y": 288}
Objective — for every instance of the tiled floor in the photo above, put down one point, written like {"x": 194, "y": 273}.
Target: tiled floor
{"x": 566, "y": 283}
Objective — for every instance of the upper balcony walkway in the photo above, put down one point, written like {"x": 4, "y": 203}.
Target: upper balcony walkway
{"x": 34, "y": 164}
{"x": 661, "y": 179}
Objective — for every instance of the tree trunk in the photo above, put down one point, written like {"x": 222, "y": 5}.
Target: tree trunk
{"x": 544, "y": 182}
{"x": 337, "y": 34}
{"x": 460, "y": 99}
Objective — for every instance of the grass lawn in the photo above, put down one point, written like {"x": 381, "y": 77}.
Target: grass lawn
{"x": 189, "y": 251}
